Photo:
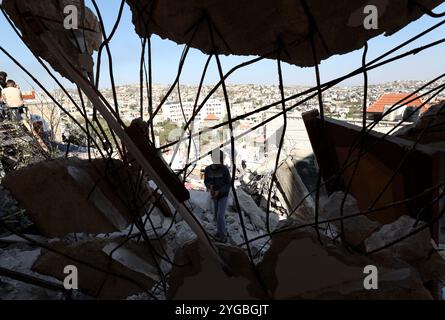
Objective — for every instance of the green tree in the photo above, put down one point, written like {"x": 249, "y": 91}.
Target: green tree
{"x": 165, "y": 129}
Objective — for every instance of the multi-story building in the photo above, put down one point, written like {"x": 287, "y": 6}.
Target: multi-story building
{"x": 174, "y": 112}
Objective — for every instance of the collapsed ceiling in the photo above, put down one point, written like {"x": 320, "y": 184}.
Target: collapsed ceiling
{"x": 243, "y": 27}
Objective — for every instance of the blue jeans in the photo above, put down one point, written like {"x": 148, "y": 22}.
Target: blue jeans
{"x": 220, "y": 206}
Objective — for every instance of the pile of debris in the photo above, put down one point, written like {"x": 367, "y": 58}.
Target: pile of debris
{"x": 79, "y": 220}
{"x": 299, "y": 265}
{"x": 428, "y": 129}
{"x": 293, "y": 193}
{"x": 11, "y": 214}
{"x": 18, "y": 147}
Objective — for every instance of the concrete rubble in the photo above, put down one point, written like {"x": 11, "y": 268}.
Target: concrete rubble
{"x": 69, "y": 195}
{"x": 11, "y": 213}
{"x": 85, "y": 238}
{"x": 293, "y": 265}
{"x": 298, "y": 266}
{"x": 413, "y": 248}
{"x": 293, "y": 196}
{"x": 428, "y": 130}
{"x": 95, "y": 283}
{"x": 50, "y": 21}
{"x": 290, "y": 264}
{"x": 294, "y": 191}
{"x": 432, "y": 119}
{"x": 356, "y": 229}
{"x": 255, "y": 214}
{"x": 254, "y": 219}
{"x": 203, "y": 278}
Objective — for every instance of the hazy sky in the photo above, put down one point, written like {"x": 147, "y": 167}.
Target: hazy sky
{"x": 126, "y": 54}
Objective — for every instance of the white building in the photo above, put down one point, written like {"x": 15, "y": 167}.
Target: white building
{"x": 173, "y": 111}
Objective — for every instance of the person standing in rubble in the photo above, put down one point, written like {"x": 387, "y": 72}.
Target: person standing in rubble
{"x": 12, "y": 97}
{"x": 218, "y": 181}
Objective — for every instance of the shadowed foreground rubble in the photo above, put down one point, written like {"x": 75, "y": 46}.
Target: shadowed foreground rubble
{"x": 114, "y": 261}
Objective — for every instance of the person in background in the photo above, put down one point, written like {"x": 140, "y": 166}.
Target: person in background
{"x": 218, "y": 181}
{"x": 3, "y": 77}
{"x": 12, "y": 97}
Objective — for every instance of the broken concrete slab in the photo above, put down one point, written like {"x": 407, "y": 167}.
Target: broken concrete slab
{"x": 42, "y": 17}
{"x": 400, "y": 284}
{"x": 93, "y": 282}
{"x": 256, "y": 215}
{"x": 415, "y": 247}
{"x": 356, "y": 229}
{"x": 307, "y": 168}
{"x": 200, "y": 277}
{"x": 297, "y": 266}
{"x": 184, "y": 234}
{"x": 294, "y": 190}
{"x": 267, "y": 23}
{"x": 69, "y": 195}
{"x": 134, "y": 256}
{"x": 431, "y": 125}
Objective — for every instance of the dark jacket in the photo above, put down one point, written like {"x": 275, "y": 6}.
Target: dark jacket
{"x": 218, "y": 176}
{"x": 2, "y": 83}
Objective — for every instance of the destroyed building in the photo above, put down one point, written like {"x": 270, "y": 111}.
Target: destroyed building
{"x": 301, "y": 226}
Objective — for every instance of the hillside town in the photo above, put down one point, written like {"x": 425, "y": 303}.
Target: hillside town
{"x": 339, "y": 102}
{"x": 345, "y": 102}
